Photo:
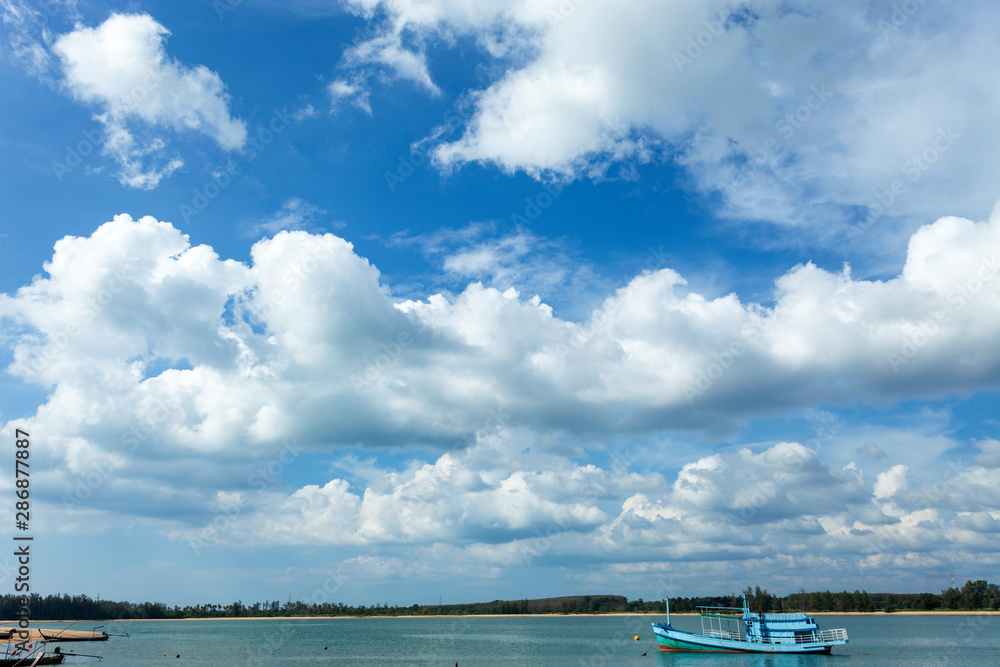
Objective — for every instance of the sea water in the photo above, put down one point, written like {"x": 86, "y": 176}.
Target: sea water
{"x": 577, "y": 641}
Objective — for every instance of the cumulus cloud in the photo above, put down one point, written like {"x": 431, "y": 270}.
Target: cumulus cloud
{"x": 728, "y": 502}
{"x": 845, "y": 121}
{"x": 175, "y": 376}
{"x": 505, "y": 487}
{"x": 122, "y": 68}
{"x": 317, "y": 347}
{"x": 892, "y": 481}
{"x": 510, "y": 501}
{"x": 790, "y": 512}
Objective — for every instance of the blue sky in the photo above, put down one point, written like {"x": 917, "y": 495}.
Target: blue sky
{"x": 378, "y": 300}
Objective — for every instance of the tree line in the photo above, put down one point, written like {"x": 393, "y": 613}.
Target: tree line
{"x": 978, "y": 595}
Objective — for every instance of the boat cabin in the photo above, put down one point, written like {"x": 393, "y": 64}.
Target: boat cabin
{"x": 795, "y": 628}
{"x": 759, "y": 628}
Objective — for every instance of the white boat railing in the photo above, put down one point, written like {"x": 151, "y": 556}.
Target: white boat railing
{"x": 836, "y": 634}
{"x": 839, "y": 634}
{"x": 722, "y": 626}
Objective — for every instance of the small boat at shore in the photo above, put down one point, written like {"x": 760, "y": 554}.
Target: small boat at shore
{"x": 724, "y": 631}
{"x": 53, "y": 635}
{"x": 27, "y": 653}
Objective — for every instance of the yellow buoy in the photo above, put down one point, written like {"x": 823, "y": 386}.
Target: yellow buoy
{"x": 637, "y": 637}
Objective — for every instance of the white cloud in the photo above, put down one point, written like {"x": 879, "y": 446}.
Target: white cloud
{"x": 488, "y": 511}
{"x": 503, "y": 488}
{"x": 356, "y": 93}
{"x": 388, "y": 51}
{"x": 315, "y": 344}
{"x": 834, "y": 103}
{"x": 295, "y": 214}
{"x": 162, "y": 358}
{"x": 501, "y": 27}
{"x": 516, "y": 259}
{"x": 28, "y": 34}
{"x": 892, "y": 481}
{"x": 989, "y": 455}
{"x": 122, "y": 68}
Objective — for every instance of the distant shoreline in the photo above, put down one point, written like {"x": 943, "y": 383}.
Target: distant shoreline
{"x": 446, "y": 616}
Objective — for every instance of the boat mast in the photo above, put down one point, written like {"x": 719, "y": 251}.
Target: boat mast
{"x": 746, "y": 622}
{"x": 667, "y": 601}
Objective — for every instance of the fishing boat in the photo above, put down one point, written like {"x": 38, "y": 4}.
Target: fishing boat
{"x": 27, "y": 653}
{"x": 54, "y": 634}
{"x": 723, "y": 630}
